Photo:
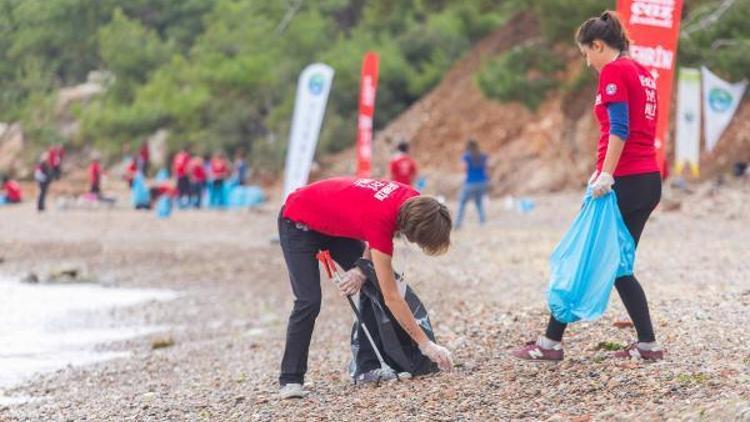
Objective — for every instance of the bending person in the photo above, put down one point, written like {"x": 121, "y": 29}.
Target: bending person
{"x": 626, "y": 109}
{"x": 340, "y": 215}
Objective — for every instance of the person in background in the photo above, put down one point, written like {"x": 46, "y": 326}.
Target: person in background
{"x": 128, "y": 165}
{"x": 626, "y": 107}
{"x": 475, "y": 185}
{"x": 239, "y": 167}
{"x": 403, "y": 167}
{"x": 95, "y": 177}
{"x": 219, "y": 173}
{"x": 43, "y": 177}
{"x": 130, "y": 172}
{"x": 55, "y": 156}
{"x": 143, "y": 159}
{"x": 180, "y": 171}
{"x": 198, "y": 178}
{"x": 12, "y": 190}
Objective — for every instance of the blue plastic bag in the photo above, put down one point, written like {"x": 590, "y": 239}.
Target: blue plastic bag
{"x": 164, "y": 206}
{"x": 139, "y": 193}
{"x": 596, "y": 249}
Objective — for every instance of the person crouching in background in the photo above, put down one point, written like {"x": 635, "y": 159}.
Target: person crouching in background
{"x": 12, "y": 191}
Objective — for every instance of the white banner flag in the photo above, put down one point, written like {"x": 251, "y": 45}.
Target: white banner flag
{"x": 313, "y": 87}
{"x": 720, "y": 99}
{"x": 687, "y": 146}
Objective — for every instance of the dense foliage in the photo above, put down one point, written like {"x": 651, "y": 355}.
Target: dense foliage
{"x": 221, "y": 74}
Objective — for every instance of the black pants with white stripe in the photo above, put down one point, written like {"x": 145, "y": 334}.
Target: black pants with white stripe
{"x": 637, "y": 196}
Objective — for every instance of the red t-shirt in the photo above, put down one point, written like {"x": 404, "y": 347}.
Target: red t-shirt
{"x": 363, "y": 209}
{"x": 219, "y": 168}
{"x": 180, "y": 163}
{"x": 95, "y": 172}
{"x": 197, "y": 171}
{"x": 403, "y": 169}
{"x": 12, "y": 191}
{"x": 625, "y": 80}
{"x": 54, "y": 156}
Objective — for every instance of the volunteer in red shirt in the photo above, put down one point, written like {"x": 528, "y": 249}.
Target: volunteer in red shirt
{"x": 180, "y": 171}
{"x": 403, "y": 167}
{"x": 55, "y": 157}
{"x": 353, "y": 218}
{"x": 219, "y": 173}
{"x": 95, "y": 176}
{"x": 197, "y": 180}
{"x": 626, "y": 108}
{"x": 12, "y": 190}
{"x": 144, "y": 158}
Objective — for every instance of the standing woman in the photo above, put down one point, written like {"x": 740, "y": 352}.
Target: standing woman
{"x": 475, "y": 186}
{"x": 626, "y": 162}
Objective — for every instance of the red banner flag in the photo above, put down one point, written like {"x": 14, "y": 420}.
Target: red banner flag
{"x": 654, "y": 27}
{"x": 367, "y": 89}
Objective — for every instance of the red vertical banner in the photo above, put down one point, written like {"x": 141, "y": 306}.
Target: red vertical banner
{"x": 367, "y": 89}
{"x": 654, "y": 28}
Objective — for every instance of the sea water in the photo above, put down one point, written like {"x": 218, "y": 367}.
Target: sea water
{"x": 45, "y": 327}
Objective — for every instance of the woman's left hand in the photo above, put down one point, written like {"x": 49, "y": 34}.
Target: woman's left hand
{"x": 602, "y": 185}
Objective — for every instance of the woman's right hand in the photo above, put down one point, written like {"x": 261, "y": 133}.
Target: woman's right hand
{"x": 593, "y": 177}
{"x": 438, "y": 354}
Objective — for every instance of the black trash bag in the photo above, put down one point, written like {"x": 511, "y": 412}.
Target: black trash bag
{"x": 399, "y": 351}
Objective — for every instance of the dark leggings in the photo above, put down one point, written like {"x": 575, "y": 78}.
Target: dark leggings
{"x": 637, "y": 196}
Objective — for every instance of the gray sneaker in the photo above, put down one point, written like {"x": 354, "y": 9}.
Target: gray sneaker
{"x": 376, "y": 376}
{"x": 292, "y": 391}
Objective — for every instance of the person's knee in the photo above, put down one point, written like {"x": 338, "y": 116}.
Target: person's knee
{"x": 307, "y": 308}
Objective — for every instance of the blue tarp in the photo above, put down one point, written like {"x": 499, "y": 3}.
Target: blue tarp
{"x": 596, "y": 249}
{"x": 245, "y": 197}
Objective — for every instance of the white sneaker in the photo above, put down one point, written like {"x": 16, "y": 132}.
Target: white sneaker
{"x": 292, "y": 391}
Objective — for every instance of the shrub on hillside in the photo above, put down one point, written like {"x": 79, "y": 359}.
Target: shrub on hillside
{"x": 524, "y": 74}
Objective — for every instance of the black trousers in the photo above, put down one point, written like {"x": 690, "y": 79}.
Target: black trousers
{"x": 42, "y": 198}
{"x": 637, "y": 196}
{"x": 299, "y": 246}
{"x": 196, "y": 194}
{"x": 183, "y": 186}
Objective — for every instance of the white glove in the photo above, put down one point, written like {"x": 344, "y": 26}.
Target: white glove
{"x": 603, "y": 184}
{"x": 437, "y": 354}
{"x": 352, "y": 281}
{"x": 592, "y": 178}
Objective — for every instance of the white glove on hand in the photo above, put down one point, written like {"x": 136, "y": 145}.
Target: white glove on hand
{"x": 602, "y": 185}
{"x": 592, "y": 178}
{"x": 437, "y": 354}
{"x": 352, "y": 281}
